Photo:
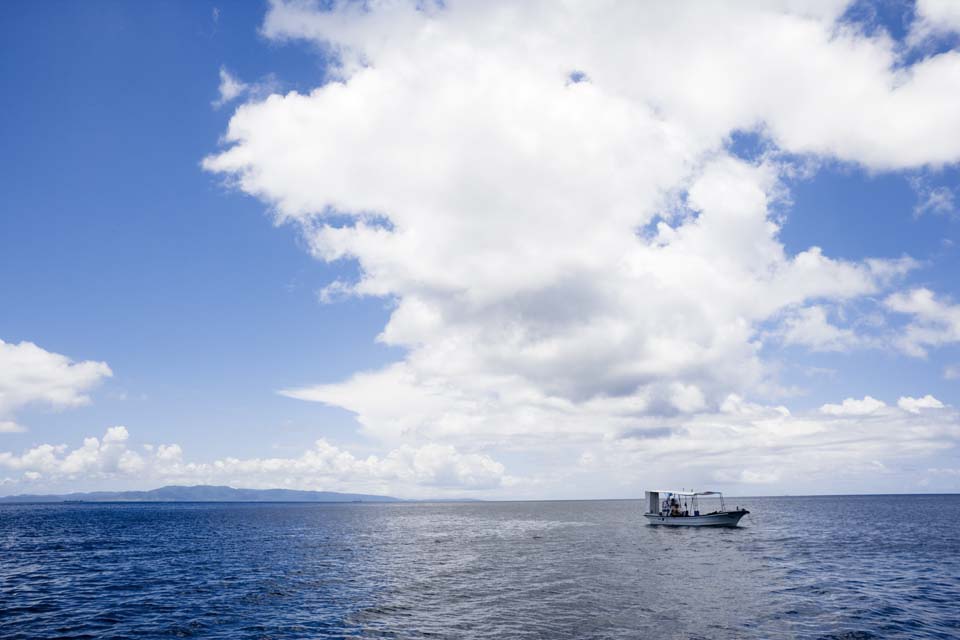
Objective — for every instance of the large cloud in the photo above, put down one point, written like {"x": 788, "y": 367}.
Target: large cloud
{"x": 544, "y": 190}
{"x": 32, "y": 375}
{"x": 816, "y": 85}
{"x": 858, "y": 445}
{"x": 853, "y": 446}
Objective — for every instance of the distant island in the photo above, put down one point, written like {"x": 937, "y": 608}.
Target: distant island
{"x": 204, "y": 493}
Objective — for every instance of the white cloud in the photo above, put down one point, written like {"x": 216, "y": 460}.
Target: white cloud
{"x": 9, "y": 426}
{"x": 431, "y": 469}
{"x": 94, "y": 457}
{"x": 570, "y": 323}
{"x": 815, "y": 85}
{"x": 854, "y": 407}
{"x": 686, "y": 397}
{"x": 230, "y": 87}
{"x": 811, "y": 328}
{"x": 852, "y": 449}
{"x": 915, "y": 405}
{"x": 933, "y": 323}
{"x": 32, "y": 375}
{"x": 624, "y": 447}
{"x": 572, "y": 259}
{"x": 783, "y": 451}
{"x": 936, "y": 200}
{"x": 745, "y": 444}
{"x": 934, "y": 17}
{"x": 943, "y": 12}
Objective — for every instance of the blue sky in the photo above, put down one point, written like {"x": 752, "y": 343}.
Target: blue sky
{"x": 856, "y": 215}
{"x": 117, "y": 247}
{"x": 186, "y": 245}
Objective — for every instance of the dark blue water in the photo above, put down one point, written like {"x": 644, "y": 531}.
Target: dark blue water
{"x": 861, "y": 567}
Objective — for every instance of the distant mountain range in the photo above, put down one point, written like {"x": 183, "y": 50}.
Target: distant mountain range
{"x": 204, "y": 493}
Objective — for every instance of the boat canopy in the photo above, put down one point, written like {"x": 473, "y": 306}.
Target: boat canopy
{"x": 666, "y": 499}
{"x": 687, "y": 493}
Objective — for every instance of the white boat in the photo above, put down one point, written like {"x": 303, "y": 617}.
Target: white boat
{"x": 682, "y": 509}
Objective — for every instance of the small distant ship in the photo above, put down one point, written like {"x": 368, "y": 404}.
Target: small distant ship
{"x": 682, "y": 509}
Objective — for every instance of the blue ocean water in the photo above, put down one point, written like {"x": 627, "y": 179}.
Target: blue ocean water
{"x": 823, "y": 567}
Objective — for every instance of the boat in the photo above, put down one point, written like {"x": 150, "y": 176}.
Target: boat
{"x": 682, "y": 509}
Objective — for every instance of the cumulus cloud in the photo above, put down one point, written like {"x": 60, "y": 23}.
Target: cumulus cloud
{"x": 743, "y": 443}
{"x": 934, "y": 322}
{"x": 9, "y": 426}
{"x": 575, "y": 240}
{"x": 916, "y": 405}
{"x": 32, "y": 375}
{"x": 868, "y": 406}
{"x": 861, "y": 446}
{"x": 934, "y": 18}
{"x": 853, "y": 407}
{"x": 810, "y": 327}
{"x": 431, "y": 469}
{"x": 814, "y": 84}
{"x": 572, "y": 260}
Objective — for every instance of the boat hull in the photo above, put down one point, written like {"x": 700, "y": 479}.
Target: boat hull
{"x": 723, "y": 519}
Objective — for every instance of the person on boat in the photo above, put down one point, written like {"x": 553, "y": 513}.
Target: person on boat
{"x": 674, "y": 507}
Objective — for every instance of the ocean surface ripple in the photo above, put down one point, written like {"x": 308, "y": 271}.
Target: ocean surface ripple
{"x": 818, "y": 567}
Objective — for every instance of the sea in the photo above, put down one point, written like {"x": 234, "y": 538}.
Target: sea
{"x": 839, "y": 567}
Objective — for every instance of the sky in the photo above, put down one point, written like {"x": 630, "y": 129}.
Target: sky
{"x": 480, "y": 249}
